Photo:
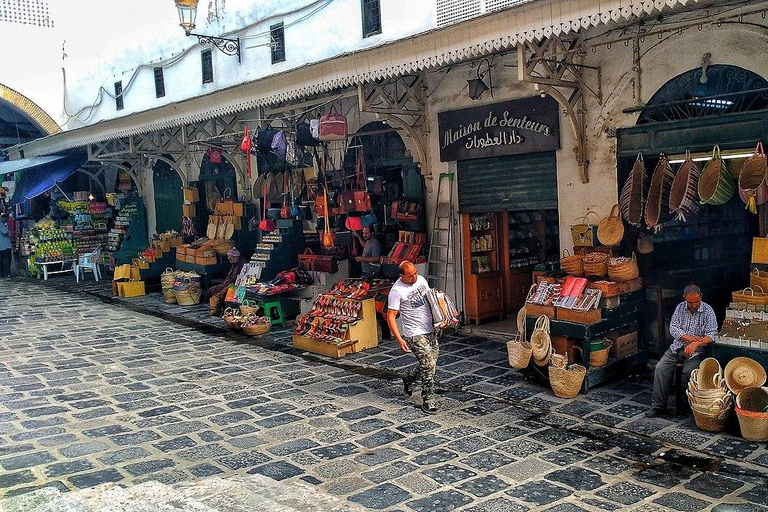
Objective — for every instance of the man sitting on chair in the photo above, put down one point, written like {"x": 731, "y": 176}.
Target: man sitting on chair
{"x": 693, "y": 327}
{"x": 220, "y": 290}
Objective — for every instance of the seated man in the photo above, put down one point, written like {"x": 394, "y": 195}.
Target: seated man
{"x": 220, "y": 290}
{"x": 693, "y": 327}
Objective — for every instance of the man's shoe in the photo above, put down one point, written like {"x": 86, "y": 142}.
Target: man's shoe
{"x": 653, "y": 413}
{"x": 429, "y": 408}
{"x": 407, "y": 387}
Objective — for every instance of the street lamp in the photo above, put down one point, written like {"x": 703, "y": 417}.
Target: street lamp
{"x": 477, "y": 85}
{"x": 187, "y": 14}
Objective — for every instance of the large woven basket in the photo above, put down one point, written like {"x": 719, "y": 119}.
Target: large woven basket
{"x": 169, "y": 295}
{"x": 753, "y": 189}
{"x": 709, "y": 422}
{"x": 166, "y": 279}
{"x": 623, "y": 270}
{"x": 610, "y": 231}
{"x": 751, "y": 296}
{"x": 573, "y": 265}
{"x": 633, "y": 193}
{"x": 744, "y": 372}
{"x": 752, "y": 411}
{"x": 758, "y": 278}
{"x": 684, "y": 198}
{"x": 566, "y": 381}
{"x": 709, "y": 374}
{"x": 519, "y": 353}
{"x": 600, "y": 357}
{"x": 657, "y": 204}
{"x": 188, "y": 297}
{"x": 715, "y": 183}
{"x": 596, "y": 264}
{"x": 248, "y": 307}
{"x": 256, "y": 330}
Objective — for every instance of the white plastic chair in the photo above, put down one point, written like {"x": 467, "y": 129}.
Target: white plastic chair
{"x": 90, "y": 261}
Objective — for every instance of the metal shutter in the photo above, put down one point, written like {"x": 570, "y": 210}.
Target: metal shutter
{"x": 513, "y": 182}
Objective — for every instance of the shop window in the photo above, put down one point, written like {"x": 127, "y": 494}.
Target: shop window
{"x": 371, "y": 17}
{"x": 277, "y": 35}
{"x": 159, "y": 83}
{"x": 119, "y": 105}
{"x": 207, "y": 62}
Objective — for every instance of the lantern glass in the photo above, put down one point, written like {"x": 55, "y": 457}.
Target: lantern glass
{"x": 476, "y": 88}
{"x": 187, "y": 14}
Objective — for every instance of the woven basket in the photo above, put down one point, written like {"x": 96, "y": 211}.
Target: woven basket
{"x": 166, "y": 278}
{"x": 753, "y": 189}
{"x": 684, "y": 198}
{"x": 743, "y": 372}
{"x": 753, "y": 425}
{"x": 169, "y": 296}
{"x": 595, "y": 264}
{"x": 758, "y": 278}
{"x": 715, "y": 183}
{"x": 750, "y": 296}
{"x": 541, "y": 344}
{"x": 573, "y": 265}
{"x": 255, "y": 330}
{"x": 623, "y": 271}
{"x": 657, "y": 204}
{"x": 521, "y": 321}
{"x": 248, "y": 308}
{"x": 600, "y": 357}
{"x": 709, "y": 422}
{"x": 519, "y": 354}
{"x": 188, "y": 297}
{"x": 706, "y": 374}
{"x": 566, "y": 381}
{"x": 610, "y": 231}
{"x": 632, "y": 199}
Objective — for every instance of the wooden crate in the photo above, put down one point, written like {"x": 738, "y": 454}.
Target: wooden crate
{"x": 537, "y": 310}
{"x": 204, "y": 260}
{"x": 614, "y": 288}
{"x": 591, "y": 316}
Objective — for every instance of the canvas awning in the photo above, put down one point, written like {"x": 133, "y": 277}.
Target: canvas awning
{"x": 42, "y": 177}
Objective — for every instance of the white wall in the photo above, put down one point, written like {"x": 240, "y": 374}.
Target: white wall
{"x": 150, "y": 36}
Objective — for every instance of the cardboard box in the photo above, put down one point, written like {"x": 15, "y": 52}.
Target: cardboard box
{"x": 130, "y": 288}
{"x": 624, "y": 342}
{"x": 189, "y": 210}
{"x": 205, "y": 260}
{"x": 591, "y": 316}
{"x": 175, "y": 241}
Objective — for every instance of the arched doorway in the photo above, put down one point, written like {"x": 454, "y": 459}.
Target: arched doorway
{"x": 168, "y": 197}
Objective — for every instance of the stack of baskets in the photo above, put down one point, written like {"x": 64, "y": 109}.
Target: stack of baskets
{"x": 752, "y": 411}
{"x": 232, "y": 318}
{"x": 188, "y": 288}
{"x": 623, "y": 269}
{"x": 573, "y": 265}
{"x": 708, "y": 396}
{"x": 166, "y": 284}
{"x": 566, "y": 380}
{"x": 595, "y": 264}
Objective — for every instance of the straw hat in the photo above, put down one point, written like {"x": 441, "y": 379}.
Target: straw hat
{"x": 743, "y": 372}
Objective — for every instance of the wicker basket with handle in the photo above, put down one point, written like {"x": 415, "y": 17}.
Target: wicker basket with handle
{"x": 566, "y": 381}
{"x": 750, "y": 296}
{"x": 518, "y": 349}
{"x": 715, "y": 183}
{"x": 624, "y": 269}
{"x": 752, "y": 411}
{"x": 541, "y": 343}
{"x": 758, "y": 278}
{"x": 610, "y": 231}
{"x": 600, "y": 357}
{"x": 595, "y": 264}
{"x": 573, "y": 265}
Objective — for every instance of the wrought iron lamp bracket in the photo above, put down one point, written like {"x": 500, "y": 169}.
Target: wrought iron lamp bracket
{"x": 226, "y": 45}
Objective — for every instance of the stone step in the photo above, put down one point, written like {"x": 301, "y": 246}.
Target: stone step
{"x": 229, "y": 495}
{"x": 29, "y": 501}
{"x": 148, "y": 496}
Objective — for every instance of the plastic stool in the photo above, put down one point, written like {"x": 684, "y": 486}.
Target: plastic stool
{"x": 269, "y": 307}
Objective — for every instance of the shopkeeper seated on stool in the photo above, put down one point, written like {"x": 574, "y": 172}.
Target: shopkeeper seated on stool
{"x": 220, "y": 290}
{"x": 693, "y": 327}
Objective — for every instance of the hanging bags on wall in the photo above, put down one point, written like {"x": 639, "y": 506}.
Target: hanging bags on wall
{"x": 304, "y": 135}
{"x": 683, "y": 198}
{"x": 657, "y": 204}
{"x": 715, "y": 183}
{"x": 753, "y": 188}
{"x": 332, "y": 126}
{"x": 632, "y": 199}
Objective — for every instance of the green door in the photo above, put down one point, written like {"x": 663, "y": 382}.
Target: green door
{"x": 168, "y": 198}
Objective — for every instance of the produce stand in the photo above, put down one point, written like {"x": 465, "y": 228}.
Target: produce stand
{"x": 630, "y": 310}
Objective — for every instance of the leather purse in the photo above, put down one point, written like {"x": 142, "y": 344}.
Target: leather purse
{"x": 333, "y": 126}
{"x": 267, "y": 225}
{"x": 327, "y": 239}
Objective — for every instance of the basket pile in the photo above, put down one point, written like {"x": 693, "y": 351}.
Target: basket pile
{"x": 166, "y": 285}
{"x": 596, "y": 264}
{"x": 623, "y": 268}
{"x": 188, "y": 288}
{"x": 752, "y": 411}
{"x": 708, "y": 396}
{"x": 248, "y": 307}
{"x": 254, "y": 325}
{"x": 573, "y": 265}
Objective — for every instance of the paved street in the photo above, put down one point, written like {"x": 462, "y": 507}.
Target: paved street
{"x": 94, "y": 391}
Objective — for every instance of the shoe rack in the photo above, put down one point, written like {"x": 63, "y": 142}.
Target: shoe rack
{"x": 336, "y": 326}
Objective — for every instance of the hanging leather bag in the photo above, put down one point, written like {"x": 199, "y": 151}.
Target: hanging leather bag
{"x": 267, "y": 225}
{"x": 327, "y": 238}
{"x": 332, "y": 126}
{"x": 357, "y": 199}
{"x": 304, "y": 135}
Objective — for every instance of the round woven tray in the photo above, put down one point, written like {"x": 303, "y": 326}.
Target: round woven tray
{"x": 610, "y": 231}
{"x": 744, "y": 372}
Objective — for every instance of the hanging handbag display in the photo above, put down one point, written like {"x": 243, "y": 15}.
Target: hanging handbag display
{"x": 279, "y": 144}
{"x": 753, "y": 188}
{"x": 327, "y": 239}
{"x": 332, "y": 126}
{"x": 264, "y": 138}
{"x": 267, "y": 225}
{"x": 304, "y": 135}
{"x": 357, "y": 199}
{"x": 321, "y": 204}
{"x": 245, "y": 145}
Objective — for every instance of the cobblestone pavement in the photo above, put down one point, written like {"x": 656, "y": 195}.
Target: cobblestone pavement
{"x": 95, "y": 392}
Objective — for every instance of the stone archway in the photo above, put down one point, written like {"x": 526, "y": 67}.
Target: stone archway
{"x": 30, "y": 109}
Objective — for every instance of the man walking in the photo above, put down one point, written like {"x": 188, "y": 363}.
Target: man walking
{"x": 408, "y": 297}
{"x": 693, "y": 327}
{"x": 5, "y": 247}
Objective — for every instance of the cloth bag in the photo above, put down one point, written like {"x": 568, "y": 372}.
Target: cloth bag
{"x": 332, "y": 126}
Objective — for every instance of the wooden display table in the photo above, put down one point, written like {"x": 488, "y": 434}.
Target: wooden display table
{"x": 630, "y": 310}
{"x": 359, "y": 336}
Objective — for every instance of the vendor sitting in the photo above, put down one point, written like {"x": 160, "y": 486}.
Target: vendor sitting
{"x": 371, "y": 252}
{"x": 693, "y": 327}
{"x": 220, "y": 290}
